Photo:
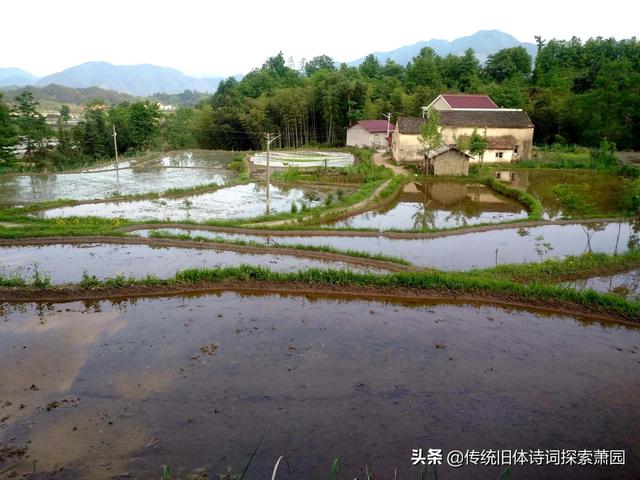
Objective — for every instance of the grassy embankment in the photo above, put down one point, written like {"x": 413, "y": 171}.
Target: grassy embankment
{"x": 447, "y": 283}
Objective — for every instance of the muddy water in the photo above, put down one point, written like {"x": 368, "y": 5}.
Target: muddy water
{"x": 195, "y": 382}
{"x": 439, "y": 204}
{"x": 604, "y": 189}
{"x": 239, "y": 201}
{"x": 626, "y": 284}
{"x": 471, "y": 250}
{"x": 181, "y": 170}
{"x": 66, "y": 263}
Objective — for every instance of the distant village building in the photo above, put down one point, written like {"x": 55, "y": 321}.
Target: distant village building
{"x": 369, "y": 133}
{"x": 509, "y": 131}
{"x": 446, "y": 160}
{"x": 166, "y": 108}
{"x": 450, "y": 101}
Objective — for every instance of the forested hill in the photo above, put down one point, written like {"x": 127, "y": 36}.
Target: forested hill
{"x": 483, "y": 43}
{"x": 580, "y": 92}
{"x": 140, "y": 80}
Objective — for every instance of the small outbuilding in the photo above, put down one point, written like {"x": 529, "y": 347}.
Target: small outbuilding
{"x": 370, "y": 133}
{"x": 446, "y": 160}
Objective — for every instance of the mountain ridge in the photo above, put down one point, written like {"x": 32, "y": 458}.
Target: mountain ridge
{"x": 483, "y": 43}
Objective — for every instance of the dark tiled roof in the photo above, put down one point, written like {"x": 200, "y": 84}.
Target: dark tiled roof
{"x": 470, "y": 118}
{"x": 505, "y": 142}
{"x": 410, "y": 125}
{"x": 442, "y": 149}
{"x": 468, "y": 101}
{"x": 375, "y": 126}
{"x": 486, "y": 118}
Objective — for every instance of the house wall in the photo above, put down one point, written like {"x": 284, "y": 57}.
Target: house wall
{"x": 440, "y": 104}
{"x": 406, "y": 148}
{"x": 451, "y": 163}
{"x": 490, "y": 156}
{"x": 523, "y": 136}
{"x": 361, "y": 137}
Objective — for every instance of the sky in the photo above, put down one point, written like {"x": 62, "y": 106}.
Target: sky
{"x": 222, "y": 38}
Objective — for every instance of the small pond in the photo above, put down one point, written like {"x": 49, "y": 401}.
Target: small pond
{"x": 238, "y": 201}
{"x": 439, "y": 204}
{"x": 133, "y": 177}
{"x": 117, "y": 389}
{"x": 602, "y": 193}
{"x": 466, "y": 251}
{"x": 66, "y": 263}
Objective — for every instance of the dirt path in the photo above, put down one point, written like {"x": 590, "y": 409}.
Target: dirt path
{"x": 379, "y": 159}
{"x": 368, "y": 233}
{"x": 350, "y": 292}
{"x": 165, "y": 242}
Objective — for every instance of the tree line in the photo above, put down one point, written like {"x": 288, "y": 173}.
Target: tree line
{"x": 577, "y": 93}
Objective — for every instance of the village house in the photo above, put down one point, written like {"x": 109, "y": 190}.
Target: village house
{"x": 452, "y": 101}
{"x": 509, "y": 131}
{"x": 369, "y": 133}
{"x": 446, "y": 160}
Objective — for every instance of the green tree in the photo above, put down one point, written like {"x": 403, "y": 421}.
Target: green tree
{"x": 33, "y": 126}
{"x": 474, "y": 144}
{"x": 508, "y": 63}
{"x": 321, "y": 62}
{"x": 8, "y": 135}
{"x": 430, "y": 135}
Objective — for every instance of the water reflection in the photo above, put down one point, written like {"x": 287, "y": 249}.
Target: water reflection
{"x": 439, "y": 204}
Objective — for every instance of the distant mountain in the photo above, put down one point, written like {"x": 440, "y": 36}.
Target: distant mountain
{"x": 15, "y": 77}
{"x": 140, "y": 80}
{"x": 484, "y": 43}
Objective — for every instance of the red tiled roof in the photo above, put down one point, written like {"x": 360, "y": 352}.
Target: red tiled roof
{"x": 375, "y": 126}
{"x": 469, "y": 101}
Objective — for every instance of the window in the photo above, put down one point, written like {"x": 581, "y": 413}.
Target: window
{"x": 499, "y": 154}
{"x": 515, "y": 149}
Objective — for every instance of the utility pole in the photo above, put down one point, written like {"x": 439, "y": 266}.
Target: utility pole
{"x": 388, "y": 117}
{"x": 270, "y": 140}
{"x": 115, "y": 147}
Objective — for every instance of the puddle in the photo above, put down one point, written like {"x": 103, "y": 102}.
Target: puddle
{"x": 604, "y": 193}
{"x": 133, "y": 177}
{"x": 626, "y": 284}
{"x": 439, "y": 204}
{"x": 194, "y": 382}
{"x": 66, "y": 263}
{"x": 239, "y": 201}
{"x": 469, "y": 250}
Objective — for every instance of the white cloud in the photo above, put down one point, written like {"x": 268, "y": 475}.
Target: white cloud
{"x": 228, "y": 37}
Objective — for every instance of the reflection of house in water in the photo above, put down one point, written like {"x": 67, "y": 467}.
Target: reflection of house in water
{"x": 451, "y": 196}
{"x": 518, "y": 179}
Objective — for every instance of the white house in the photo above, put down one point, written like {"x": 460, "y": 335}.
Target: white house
{"x": 369, "y": 133}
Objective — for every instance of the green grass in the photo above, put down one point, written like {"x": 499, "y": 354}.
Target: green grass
{"x": 454, "y": 283}
{"x": 569, "y": 268}
{"x": 530, "y": 203}
{"x": 312, "y": 248}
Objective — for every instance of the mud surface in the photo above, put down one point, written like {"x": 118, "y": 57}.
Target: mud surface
{"x": 457, "y": 250}
{"x": 194, "y": 382}
{"x": 65, "y": 260}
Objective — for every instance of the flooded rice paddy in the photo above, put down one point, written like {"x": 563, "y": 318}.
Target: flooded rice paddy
{"x": 626, "y": 284}
{"x": 116, "y": 390}
{"x": 466, "y": 251}
{"x": 178, "y": 170}
{"x": 239, "y": 201}
{"x": 66, "y": 263}
{"x": 439, "y": 204}
{"x": 604, "y": 190}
